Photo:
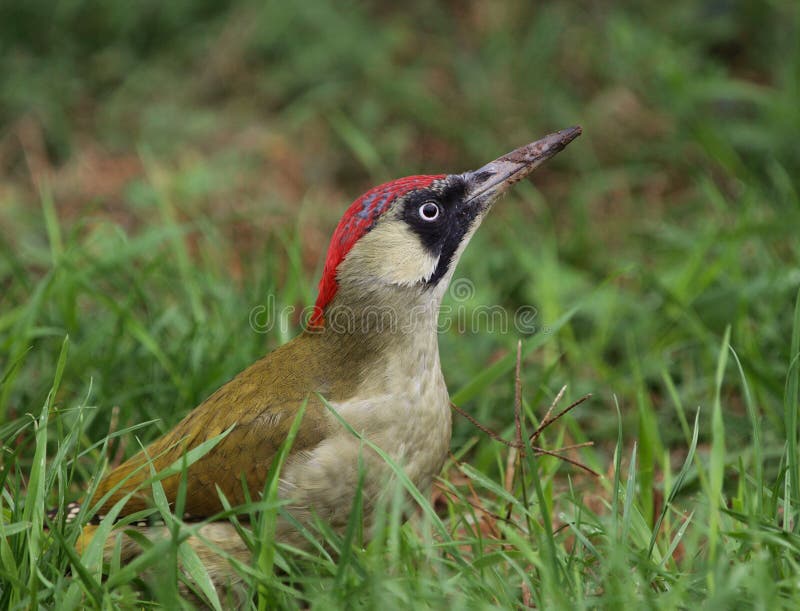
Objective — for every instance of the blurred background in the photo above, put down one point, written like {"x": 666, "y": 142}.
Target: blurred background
{"x": 165, "y": 167}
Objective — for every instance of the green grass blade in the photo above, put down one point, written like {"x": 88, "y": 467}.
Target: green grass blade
{"x": 677, "y": 485}
{"x": 792, "y": 407}
{"x": 717, "y": 457}
{"x": 265, "y": 559}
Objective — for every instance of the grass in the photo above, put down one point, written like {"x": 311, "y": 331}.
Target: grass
{"x": 170, "y": 180}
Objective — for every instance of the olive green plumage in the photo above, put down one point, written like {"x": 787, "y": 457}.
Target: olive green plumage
{"x": 372, "y": 353}
{"x": 259, "y": 405}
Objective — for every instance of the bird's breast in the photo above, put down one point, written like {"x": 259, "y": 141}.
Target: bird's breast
{"x": 402, "y": 406}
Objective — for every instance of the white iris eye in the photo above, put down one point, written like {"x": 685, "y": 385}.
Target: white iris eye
{"x": 429, "y": 211}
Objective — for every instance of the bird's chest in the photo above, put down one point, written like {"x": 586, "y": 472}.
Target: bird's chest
{"x": 403, "y": 408}
{"x": 413, "y": 423}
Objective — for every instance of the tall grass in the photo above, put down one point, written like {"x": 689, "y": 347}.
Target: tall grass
{"x": 222, "y": 141}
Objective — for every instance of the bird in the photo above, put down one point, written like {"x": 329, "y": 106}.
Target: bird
{"x": 365, "y": 367}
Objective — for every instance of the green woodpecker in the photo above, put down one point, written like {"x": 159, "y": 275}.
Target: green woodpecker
{"x": 370, "y": 349}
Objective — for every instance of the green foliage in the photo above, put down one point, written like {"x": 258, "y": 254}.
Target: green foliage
{"x": 170, "y": 168}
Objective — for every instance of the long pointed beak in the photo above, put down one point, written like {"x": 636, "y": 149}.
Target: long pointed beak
{"x": 494, "y": 179}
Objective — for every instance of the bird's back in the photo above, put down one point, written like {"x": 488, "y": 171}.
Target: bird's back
{"x": 258, "y": 406}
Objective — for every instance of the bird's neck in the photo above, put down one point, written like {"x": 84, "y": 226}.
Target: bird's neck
{"x": 383, "y": 342}
{"x": 375, "y": 324}
{"x": 389, "y": 313}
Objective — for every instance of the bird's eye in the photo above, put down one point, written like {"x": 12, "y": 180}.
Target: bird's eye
{"x": 429, "y": 211}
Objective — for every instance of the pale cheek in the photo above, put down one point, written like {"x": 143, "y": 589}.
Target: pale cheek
{"x": 391, "y": 254}
{"x": 408, "y": 265}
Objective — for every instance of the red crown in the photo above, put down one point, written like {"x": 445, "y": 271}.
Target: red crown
{"x": 359, "y": 218}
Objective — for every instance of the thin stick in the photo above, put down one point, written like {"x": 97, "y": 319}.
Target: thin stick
{"x": 546, "y": 420}
{"x": 512, "y": 444}
{"x": 481, "y": 427}
{"x": 574, "y": 446}
{"x": 513, "y": 452}
{"x": 569, "y": 408}
{"x": 518, "y": 399}
{"x": 566, "y": 459}
{"x": 518, "y": 424}
{"x": 517, "y": 444}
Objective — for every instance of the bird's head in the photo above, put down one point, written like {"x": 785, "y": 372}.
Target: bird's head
{"x": 406, "y": 236}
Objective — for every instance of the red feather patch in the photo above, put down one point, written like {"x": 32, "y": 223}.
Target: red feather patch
{"x": 358, "y": 220}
